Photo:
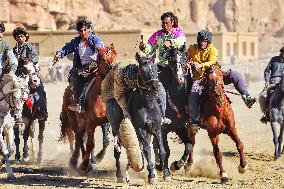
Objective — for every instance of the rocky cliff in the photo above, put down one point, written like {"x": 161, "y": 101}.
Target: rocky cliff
{"x": 265, "y": 17}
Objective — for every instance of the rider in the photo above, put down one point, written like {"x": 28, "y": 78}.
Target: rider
{"x": 170, "y": 36}
{"x": 84, "y": 49}
{"x": 9, "y": 65}
{"x": 202, "y": 55}
{"x": 272, "y": 76}
{"x": 28, "y": 64}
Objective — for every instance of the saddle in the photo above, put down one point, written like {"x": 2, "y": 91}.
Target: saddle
{"x": 87, "y": 70}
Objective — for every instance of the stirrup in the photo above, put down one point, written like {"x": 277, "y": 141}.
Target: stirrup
{"x": 75, "y": 108}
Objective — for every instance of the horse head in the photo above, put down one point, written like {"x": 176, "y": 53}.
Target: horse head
{"x": 106, "y": 58}
{"x": 214, "y": 81}
{"x": 178, "y": 65}
{"x": 148, "y": 71}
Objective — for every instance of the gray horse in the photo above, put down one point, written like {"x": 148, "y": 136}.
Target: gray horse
{"x": 276, "y": 112}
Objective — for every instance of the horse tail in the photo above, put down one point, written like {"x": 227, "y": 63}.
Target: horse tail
{"x": 66, "y": 132}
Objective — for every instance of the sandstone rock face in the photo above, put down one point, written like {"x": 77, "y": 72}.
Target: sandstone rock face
{"x": 265, "y": 17}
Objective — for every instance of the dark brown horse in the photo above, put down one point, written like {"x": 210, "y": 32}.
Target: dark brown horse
{"x": 93, "y": 117}
{"x": 217, "y": 117}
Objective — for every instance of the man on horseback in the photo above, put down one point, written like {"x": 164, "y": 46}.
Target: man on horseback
{"x": 203, "y": 55}
{"x": 28, "y": 67}
{"x": 170, "y": 36}
{"x": 272, "y": 76}
{"x": 84, "y": 49}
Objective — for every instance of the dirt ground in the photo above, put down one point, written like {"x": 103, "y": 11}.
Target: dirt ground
{"x": 263, "y": 171}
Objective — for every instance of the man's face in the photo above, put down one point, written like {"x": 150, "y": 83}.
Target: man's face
{"x": 84, "y": 32}
{"x": 167, "y": 24}
{"x": 203, "y": 44}
{"x": 1, "y": 35}
{"x": 21, "y": 39}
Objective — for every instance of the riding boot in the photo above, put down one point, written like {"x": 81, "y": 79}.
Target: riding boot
{"x": 249, "y": 101}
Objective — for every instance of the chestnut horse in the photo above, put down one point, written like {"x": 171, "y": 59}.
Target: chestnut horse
{"x": 93, "y": 117}
{"x": 217, "y": 117}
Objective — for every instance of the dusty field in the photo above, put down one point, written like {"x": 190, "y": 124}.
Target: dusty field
{"x": 263, "y": 172}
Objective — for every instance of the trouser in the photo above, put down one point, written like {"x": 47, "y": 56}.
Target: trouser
{"x": 80, "y": 83}
{"x": 194, "y": 99}
{"x": 164, "y": 76}
{"x": 235, "y": 78}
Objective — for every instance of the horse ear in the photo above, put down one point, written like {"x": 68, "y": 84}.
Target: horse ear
{"x": 111, "y": 46}
{"x": 137, "y": 57}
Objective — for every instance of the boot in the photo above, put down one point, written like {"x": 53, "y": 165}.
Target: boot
{"x": 265, "y": 118}
{"x": 249, "y": 101}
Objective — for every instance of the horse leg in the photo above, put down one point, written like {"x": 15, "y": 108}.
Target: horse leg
{"x": 32, "y": 136}
{"x": 26, "y": 134}
{"x": 4, "y": 153}
{"x": 17, "y": 144}
{"x": 74, "y": 123}
{"x": 243, "y": 164}
{"x": 117, "y": 153}
{"x": 182, "y": 134}
{"x": 89, "y": 147}
{"x": 41, "y": 124}
{"x": 147, "y": 152}
{"x": 162, "y": 155}
{"x": 280, "y": 139}
{"x": 275, "y": 139}
{"x": 218, "y": 157}
{"x": 101, "y": 154}
{"x": 191, "y": 135}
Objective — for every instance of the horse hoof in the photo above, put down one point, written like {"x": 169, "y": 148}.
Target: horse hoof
{"x": 224, "y": 178}
{"x": 72, "y": 165}
{"x": 152, "y": 180}
{"x": 26, "y": 159}
{"x": 167, "y": 178}
{"x": 187, "y": 168}
{"x": 174, "y": 166}
{"x": 158, "y": 167}
{"x": 16, "y": 161}
{"x": 120, "y": 180}
{"x": 241, "y": 169}
{"x": 11, "y": 177}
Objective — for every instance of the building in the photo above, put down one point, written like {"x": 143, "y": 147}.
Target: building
{"x": 244, "y": 46}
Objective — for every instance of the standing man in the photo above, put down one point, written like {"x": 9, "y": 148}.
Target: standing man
{"x": 84, "y": 49}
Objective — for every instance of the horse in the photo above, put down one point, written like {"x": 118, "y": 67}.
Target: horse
{"x": 71, "y": 127}
{"x": 11, "y": 103}
{"x": 217, "y": 117}
{"x": 145, "y": 113}
{"x": 93, "y": 117}
{"x": 35, "y": 109}
{"x": 177, "y": 84}
{"x": 276, "y": 114}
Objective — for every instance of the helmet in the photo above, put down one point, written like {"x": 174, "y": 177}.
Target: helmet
{"x": 20, "y": 30}
{"x": 282, "y": 50}
{"x": 204, "y": 35}
{"x": 82, "y": 23}
{"x": 2, "y": 27}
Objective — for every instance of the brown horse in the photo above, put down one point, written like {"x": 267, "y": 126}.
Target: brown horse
{"x": 74, "y": 123}
{"x": 217, "y": 117}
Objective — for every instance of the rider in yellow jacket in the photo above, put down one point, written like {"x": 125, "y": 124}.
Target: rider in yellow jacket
{"x": 201, "y": 55}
